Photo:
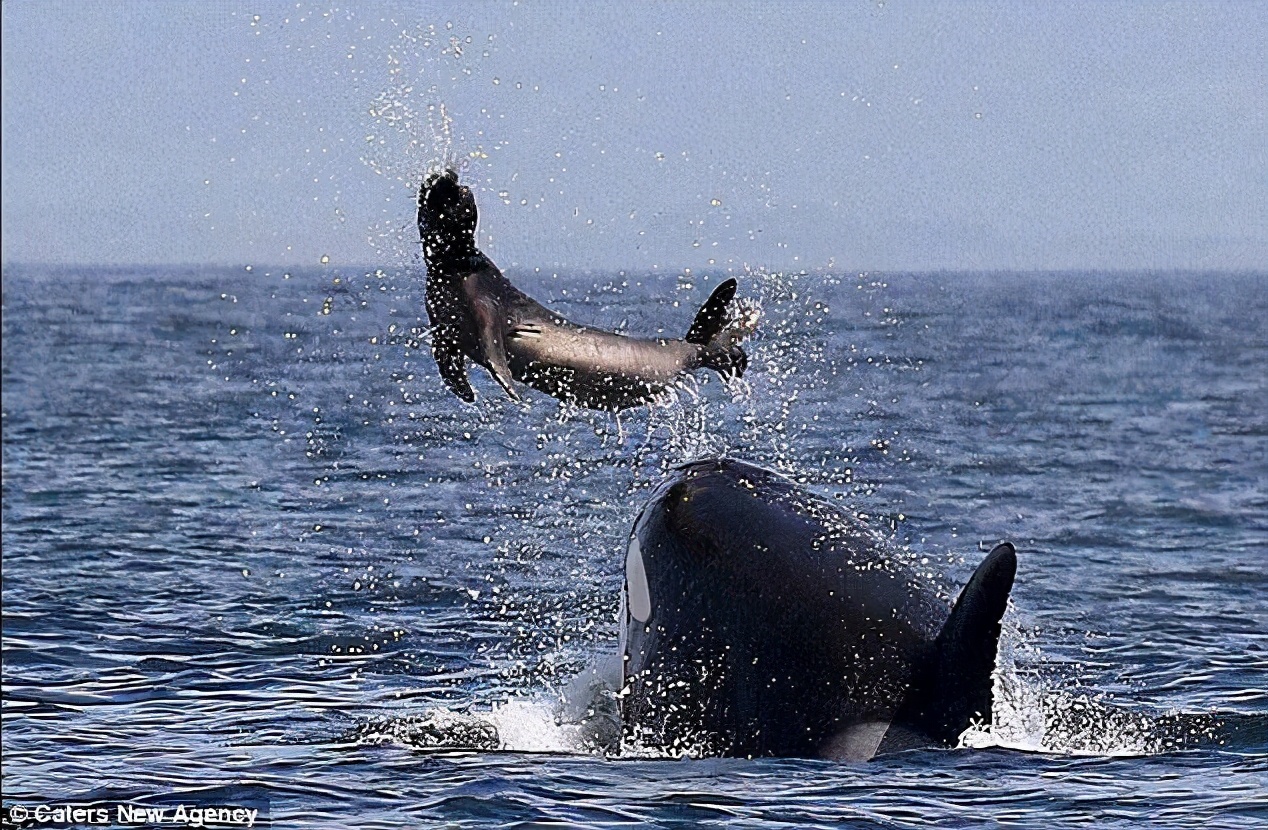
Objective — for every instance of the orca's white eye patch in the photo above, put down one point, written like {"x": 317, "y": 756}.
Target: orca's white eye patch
{"x": 637, "y": 593}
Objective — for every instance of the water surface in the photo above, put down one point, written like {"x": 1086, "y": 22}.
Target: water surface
{"x": 254, "y": 551}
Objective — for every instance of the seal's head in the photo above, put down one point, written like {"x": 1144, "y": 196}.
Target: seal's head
{"x": 446, "y": 216}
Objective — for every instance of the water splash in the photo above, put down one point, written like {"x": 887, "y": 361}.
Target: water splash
{"x": 517, "y": 724}
{"x": 410, "y": 131}
{"x": 1035, "y": 710}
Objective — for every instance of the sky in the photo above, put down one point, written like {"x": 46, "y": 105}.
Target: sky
{"x": 604, "y": 136}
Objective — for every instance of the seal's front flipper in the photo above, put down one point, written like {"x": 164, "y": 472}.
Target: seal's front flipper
{"x": 452, "y": 364}
{"x": 712, "y": 316}
{"x": 493, "y": 344}
{"x": 953, "y": 688}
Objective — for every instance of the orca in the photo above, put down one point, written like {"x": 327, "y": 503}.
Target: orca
{"x": 761, "y": 620}
{"x": 477, "y": 314}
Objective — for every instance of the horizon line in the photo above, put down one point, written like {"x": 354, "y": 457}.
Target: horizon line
{"x": 653, "y": 269}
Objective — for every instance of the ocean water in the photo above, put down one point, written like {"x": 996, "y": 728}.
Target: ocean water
{"x": 254, "y": 553}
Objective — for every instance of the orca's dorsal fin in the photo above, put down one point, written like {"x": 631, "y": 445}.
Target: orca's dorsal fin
{"x": 954, "y": 687}
{"x": 712, "y": 316}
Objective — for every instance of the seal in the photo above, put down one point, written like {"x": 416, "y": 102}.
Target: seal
{"x": 760, "y": 620}
{"x": 477, "y": 314}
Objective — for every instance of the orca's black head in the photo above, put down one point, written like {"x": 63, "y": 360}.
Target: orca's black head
{"x": 446, "y": 215}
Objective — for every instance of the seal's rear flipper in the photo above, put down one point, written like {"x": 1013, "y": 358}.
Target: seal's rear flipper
{"x": 953, "y": 688}
{"x": 712, "y": 316}
{"x": 722, "y": 352}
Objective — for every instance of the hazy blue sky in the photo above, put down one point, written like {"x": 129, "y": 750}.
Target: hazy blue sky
{"x": 861, "y": 135}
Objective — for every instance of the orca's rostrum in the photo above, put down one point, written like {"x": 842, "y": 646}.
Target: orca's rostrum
{"x": 759, "y": 620}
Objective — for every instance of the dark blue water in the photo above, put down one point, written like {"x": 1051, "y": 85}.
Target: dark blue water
{"x": 254, "y": 552}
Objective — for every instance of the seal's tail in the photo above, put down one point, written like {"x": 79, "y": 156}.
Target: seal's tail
{"x": 713, "y": 329}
